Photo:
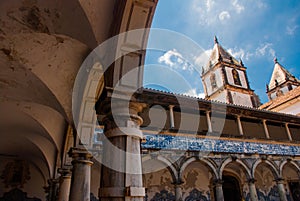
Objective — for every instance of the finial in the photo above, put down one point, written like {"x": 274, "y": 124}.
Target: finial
{"x": 267, "y": 88}
{"x": 275, "y": 60}
{"x": 241, "y": 62}
{"x": 216, "y": 40}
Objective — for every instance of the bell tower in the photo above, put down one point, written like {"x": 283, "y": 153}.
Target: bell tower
{"x": 282, "y": 81}
{"x": 225, "y": 79}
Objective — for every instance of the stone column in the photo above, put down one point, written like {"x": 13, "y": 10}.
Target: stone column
{"x": 51, "y": 190}
{"x": 266, "y": 129}
{"x": 172, "y": 123}
{"x": 81, "y": 174}
{"x": 240, "y": 125}
{"x": 178, "y": 190}
{"x": 64, "y": 184}
{"x": 288, "y": 132}
{"x": 252, "y": 189}
{"x": 121, "y": 176}
{"x": 281, "y": 189}
{"x": 208, "y": 122}
{"x": 219, "y": 190}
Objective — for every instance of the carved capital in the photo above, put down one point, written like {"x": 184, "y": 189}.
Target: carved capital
{"x": 65, "y": 172}
{"x": 178, "y": 182}
{"x": 218, "y": 182}
{"x": 80, "y": 155}
{"x": 251, "y": 181}
{"x": 123, "y": 114}
{"x": 279, "y": 180}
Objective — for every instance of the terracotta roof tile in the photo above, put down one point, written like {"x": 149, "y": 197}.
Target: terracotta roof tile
{"x": 281, "y": 100}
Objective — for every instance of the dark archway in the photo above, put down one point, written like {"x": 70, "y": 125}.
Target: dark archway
{"x": 231, "y": 188}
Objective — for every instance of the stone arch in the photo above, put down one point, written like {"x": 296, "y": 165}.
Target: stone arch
{"x": 204, "y": 161}
{"x": 239, "y": 162}
{"x": 288, "y": 162}
{"x": 172, "y": 169}
{"x": 54, "y": 75}
{"x": 55, "y": 18}
{"x": 159, "y": 177}
{"x": 273, "y": 167}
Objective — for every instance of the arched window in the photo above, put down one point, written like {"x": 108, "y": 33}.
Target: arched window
{"x": 236, "y": 77}
{"x": 213, "y": 81}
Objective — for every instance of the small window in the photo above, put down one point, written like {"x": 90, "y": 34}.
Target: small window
{"x": 290, "y": 87}
{"x": 213, "y": 81}
{"x": 236, "y": 77}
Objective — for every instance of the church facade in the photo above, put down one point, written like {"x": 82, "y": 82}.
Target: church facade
{"x": 146, "y": 144}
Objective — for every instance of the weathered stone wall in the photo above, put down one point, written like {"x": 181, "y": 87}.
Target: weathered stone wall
{"x": 21, "y": 175}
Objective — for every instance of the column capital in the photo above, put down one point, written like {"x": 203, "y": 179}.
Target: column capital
{"x": 52, "y": 181}
{"x": 279, "y": 180}
{"x": 218, "y": 182}
{"x": 80, "y": 155}
{"x": 251, "y": 181}
{"x": 123, "y": 114}
{"x": 65, "y": 172}
{"x": 178, "y": 182}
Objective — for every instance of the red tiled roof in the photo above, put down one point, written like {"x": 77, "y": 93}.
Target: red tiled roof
{"x": 282, "y": 99}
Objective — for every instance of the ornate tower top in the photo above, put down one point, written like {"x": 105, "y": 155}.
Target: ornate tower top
{"x": 225, "y": 79}
{"x": 281, "y": 81}
{"x": 216, "y": 40}
{"x": 219, "y": 54}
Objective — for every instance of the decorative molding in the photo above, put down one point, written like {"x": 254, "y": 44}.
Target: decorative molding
{"x": 168, "y": 142}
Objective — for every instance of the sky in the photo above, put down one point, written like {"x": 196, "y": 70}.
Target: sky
{"x": 254, "y": 30}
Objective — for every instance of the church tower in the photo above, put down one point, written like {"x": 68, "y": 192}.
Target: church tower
{"x": 281, "y": 81}
{"x": 225, "y": 79}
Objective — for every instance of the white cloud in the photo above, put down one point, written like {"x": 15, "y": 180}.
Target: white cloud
{"x": 193, "y": 93}
{"x": 209, "y": 4}
{"x": 213, "y": 12}
{"x": 175, "y": 60}
{"x": 265, "y": 50}
{"x": 260, "y": 4}
{"x": 238, "y": 7}
{"x": 171, "y": 57}
{"x": 224, "y": 15}
{"x": 291, "y": 30}
{"x": 202, "y": 59}
{"x": 237, "y": 53}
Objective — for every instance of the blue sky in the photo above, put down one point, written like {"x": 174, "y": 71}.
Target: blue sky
{"x": 254, "y": 30}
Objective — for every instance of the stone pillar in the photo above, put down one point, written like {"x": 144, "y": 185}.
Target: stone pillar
{"x": 240, "y": 125}
{"x": 178, "y": 190}
{"x": 208, "y": 122}
{"x": 121, "y": 175}
{"x": 64, "y": 184}
{"x": 288, "y": 132}
{"x": 252, "y": 189}
{"x": 51, "y": 190}
{"x": 172, "y": 123}
{"x": 281, "y": 189}
{"x": 219, "y": 190}
{"x": 81, "y": 174}
{"x": 266, "y": 129}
